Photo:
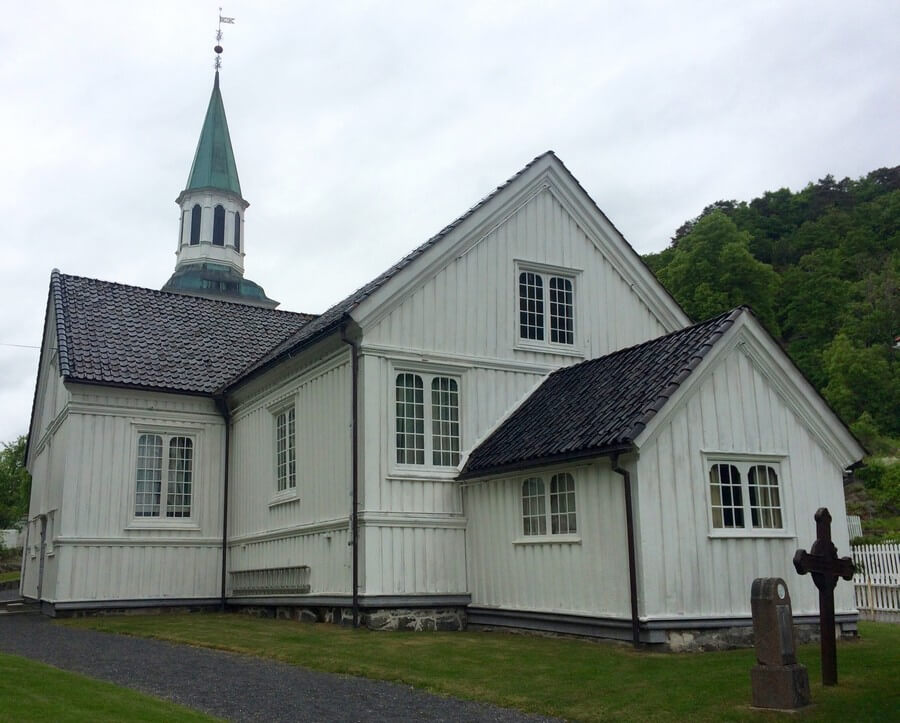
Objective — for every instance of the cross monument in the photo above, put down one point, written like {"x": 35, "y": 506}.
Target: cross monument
{"x": 826, "y": 567}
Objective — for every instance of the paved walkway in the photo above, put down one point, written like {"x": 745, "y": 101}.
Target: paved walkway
{"x": 231, "y": 686}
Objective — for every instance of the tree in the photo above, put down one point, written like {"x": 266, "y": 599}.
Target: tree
{"x": 712, "y": 270}
{"x": 15, "y": 483}
{"x": 863, "y": 379}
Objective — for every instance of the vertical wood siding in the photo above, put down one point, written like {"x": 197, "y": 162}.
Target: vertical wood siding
{"x": 590, "y": 577}
{"x": 686, "y": 572}
{"x": 265, "y": 535}
{"x": 471, "y": 306}
{"x": 85, "y": 480}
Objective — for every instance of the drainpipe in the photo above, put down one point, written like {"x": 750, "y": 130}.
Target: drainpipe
{"x": 222, "y": 406}
{"x": 354, "y": 466}
{"x": 632, "y": 565}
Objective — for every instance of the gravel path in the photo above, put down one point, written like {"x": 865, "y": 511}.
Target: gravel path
{"x": 231, "y": 686}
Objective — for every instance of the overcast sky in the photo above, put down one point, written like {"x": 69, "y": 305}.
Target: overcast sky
{"x": 360, "y": 128}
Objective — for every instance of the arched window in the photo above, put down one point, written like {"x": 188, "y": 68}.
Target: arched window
{"x": 219, "y": 226}
{"x": 195, "y": 224}
{"x": 237, "y": 231}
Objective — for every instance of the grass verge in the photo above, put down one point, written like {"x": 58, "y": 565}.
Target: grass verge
{"x": 9, "y": 576}
{"x": 575, "y": 679}
{"x": 33, "y": 691}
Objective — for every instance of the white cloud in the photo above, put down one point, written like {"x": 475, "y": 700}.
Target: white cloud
{"x": 361, "y": 129}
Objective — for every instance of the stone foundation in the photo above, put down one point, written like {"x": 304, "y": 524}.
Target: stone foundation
{"x": 387, "y": 619}
{"x": 742, "y": 637}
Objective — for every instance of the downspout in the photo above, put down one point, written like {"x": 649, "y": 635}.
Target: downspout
{"x": 632, "y": 565}
{"x": 222, "y": 406}
{"x": 354, "y": 467}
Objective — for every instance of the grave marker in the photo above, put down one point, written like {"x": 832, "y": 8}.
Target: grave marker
{"x": 777, "y": 680}
{"x": 826, "y": 567}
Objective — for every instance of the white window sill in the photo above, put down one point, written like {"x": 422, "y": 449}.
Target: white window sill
{"x": 548, "y": 539}
{"x": 751, "y": 534}
{"x": 424, "y": 473}
{"x": 162, "y": 524}
{"x": 549, "y": 348}
{"x": 284, "y": 498}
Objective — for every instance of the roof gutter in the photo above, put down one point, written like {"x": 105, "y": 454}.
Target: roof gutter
{"x": 632, "y": 562}
{"x": 551, "y": 459}
{"x": 222, "y": 406}
{"x": 354, "y": 466}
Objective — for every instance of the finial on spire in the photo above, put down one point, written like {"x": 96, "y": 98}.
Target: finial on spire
{"x": 218, "y": 48}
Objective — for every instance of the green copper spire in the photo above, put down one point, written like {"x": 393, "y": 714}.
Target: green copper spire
{"x": 214, "y": 165}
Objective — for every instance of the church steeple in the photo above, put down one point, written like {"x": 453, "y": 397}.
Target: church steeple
{"x": 214, "y": 165}
{"x": 211, "y": 246}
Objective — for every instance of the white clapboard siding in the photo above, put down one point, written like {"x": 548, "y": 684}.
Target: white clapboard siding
{"x": 470, "y": 307}
{"x": 311, "y": 528}
{"x": 685, "y": 570}
{"x": 507, "y": 570}
{"x": 877, "y": 581}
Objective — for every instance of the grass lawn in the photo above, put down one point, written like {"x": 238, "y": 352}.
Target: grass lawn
{"x": 7, "y": 576}
{"x": 32, "y": 691}
{"x": 575, "y": 679}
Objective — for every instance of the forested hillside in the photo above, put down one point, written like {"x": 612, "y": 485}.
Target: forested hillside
{"x": 821, "y": 268}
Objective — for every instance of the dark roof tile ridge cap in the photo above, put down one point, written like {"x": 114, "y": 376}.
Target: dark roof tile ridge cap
{"x": 57, "y": 290}
{"x": 191, "y": 298}
{"x": 726, "y": 321}
{"x": 720, "y": 318}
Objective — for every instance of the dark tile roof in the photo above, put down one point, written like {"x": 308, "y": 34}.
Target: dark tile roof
{"x": 125, "y": 335}
{"x": 599, "y": 405}
{"x": 331, "y": 319}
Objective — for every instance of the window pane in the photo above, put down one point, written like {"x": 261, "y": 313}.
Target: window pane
{"x": 444, "y": 421}
{"x": 726, "y": 496}
{"x": 765, "y": 500}
{"x": 534, "y": 519}
{"x": 531, "y": 306}
{"x": 180, "y": 478}
{"x": 410, "y": 420}
{"x": 237, "y": 231}
{"x": 285, "y": 450}
{"x": 562, "y": 311}
{"x": 149, "y": 476}
{"x": 562, "y": 504}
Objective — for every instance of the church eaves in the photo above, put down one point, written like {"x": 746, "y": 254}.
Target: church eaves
{"x": 214, "y": 165}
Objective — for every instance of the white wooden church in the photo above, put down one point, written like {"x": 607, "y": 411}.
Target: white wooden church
{"x": 515, "y": 425}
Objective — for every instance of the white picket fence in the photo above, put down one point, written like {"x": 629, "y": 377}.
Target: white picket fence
{"x": 877, "y": 581}
{"x": 854, "y": 526}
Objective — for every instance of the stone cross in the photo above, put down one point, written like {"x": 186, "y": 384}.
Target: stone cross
{"x": 826, "y": 567}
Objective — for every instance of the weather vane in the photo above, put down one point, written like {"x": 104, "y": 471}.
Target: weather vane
{"x": 218, "y": 48}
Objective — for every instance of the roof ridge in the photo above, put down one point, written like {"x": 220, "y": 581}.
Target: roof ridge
{"x": 735, "y": 312}
{"x": 190, "y": 297}
{"x": 57, "y": 289}
{"x": 343, "y": 307}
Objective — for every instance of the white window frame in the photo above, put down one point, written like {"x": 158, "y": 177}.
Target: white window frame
{"x": 744, "y": 463}
{"x": 289, "y": 492}
{"x": 547, "y": 515}
{"x": 428, "y": 469}
{"x": 548, "y": 272}
{"x": 161, "y": 519}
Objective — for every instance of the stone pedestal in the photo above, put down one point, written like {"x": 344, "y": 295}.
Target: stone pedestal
{"x": 780, "y": 686}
